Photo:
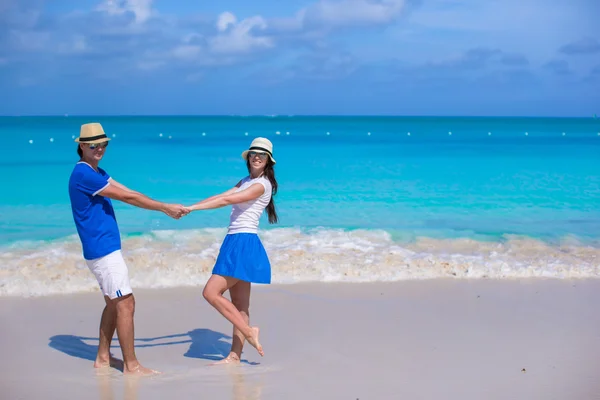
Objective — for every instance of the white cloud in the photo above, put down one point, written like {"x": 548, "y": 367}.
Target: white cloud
{"x": 240, "y": 38}
{"x": 30, "y": 41}
{"x": 191, "y": 38}
{"x": 150, "y": 65}
{"x": 187, "y": 52}
{"x": 232, "y": 41}
{"x": 224, "y": 20}
{"x": 351, "y": 12}
{"x": 436, "y": 30}
{"x": 287, "y": 24}
{"x": 77, "y": 44}
{"x": 529, "y": 27}
{"x": 142, "y": 9}
{"x": 194, "y": 77}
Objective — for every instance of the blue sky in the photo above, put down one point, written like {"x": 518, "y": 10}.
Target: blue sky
{"x": 388, "y": 57}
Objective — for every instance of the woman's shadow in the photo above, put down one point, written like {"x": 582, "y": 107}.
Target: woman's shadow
{"x": 204, "y": 344}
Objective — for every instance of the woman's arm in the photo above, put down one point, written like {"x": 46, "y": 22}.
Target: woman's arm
{"x": 251, "y": 193}
{"x": 225, "y": 193}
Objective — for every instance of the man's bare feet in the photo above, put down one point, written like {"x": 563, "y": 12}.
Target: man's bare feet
{"x": 232, "y": 359}
{"x": 253, "y": 340}
{"x": 112, "y": 362}
{"x": 139, "y": 371}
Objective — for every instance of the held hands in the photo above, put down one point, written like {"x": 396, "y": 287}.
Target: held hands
{"x": 176, "y": 211}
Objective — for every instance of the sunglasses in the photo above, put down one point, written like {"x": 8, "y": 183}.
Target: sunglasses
{"x": 94, "y": 145}
{"x": 252, "y": 154}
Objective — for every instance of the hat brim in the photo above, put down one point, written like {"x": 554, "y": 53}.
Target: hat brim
{"x": 99, "y": 140}
{"x": 245, "y": 156}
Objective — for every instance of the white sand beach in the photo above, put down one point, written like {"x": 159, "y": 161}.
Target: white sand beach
{"x": 432, "y": 339}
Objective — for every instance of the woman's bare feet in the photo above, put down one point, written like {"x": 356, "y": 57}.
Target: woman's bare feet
{"x": 253, "y": 340}
{"x": 139, "y": 370}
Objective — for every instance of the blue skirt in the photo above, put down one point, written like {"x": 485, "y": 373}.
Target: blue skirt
{"x": 243, "y": 256}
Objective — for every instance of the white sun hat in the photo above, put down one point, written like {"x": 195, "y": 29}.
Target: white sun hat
{"x": 260, "y": 144}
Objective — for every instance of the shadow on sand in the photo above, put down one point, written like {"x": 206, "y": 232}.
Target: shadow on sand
{"x": 204, "y": 344}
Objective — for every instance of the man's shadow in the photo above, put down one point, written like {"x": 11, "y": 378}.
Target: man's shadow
{"x": 204, "y": 344}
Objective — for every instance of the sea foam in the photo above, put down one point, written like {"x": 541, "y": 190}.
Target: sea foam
{"x": 164, "y": 259}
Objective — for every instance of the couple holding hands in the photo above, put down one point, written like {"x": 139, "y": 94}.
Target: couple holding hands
{"x": 242, "y": 259}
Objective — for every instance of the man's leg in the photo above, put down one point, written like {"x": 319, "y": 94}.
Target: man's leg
{"x": 113, "y": 276}
{"x": 108, "y": 324}
{"x": 125, "y": 309}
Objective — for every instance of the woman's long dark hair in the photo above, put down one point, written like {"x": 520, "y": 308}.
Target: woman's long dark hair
{"x": 269, "y": 173}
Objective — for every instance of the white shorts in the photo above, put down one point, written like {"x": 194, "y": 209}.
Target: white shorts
{"x": 112, "y": 274}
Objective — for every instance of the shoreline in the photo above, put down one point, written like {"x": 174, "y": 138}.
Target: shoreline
{"x": 171, "y": 259}
{"x": 94, "y": 290}
{"x": 445, "y": 338}
{"x": 403, "y": 235}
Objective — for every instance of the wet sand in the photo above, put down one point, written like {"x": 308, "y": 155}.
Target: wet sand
{"x": 432, "y": 339}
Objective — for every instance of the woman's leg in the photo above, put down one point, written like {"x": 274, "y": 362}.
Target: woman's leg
{"x": 213, "y": 293}
{"x": 240, "y": 297}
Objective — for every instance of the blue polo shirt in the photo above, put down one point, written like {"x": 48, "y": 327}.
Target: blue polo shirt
{"x": 93, "y": 214}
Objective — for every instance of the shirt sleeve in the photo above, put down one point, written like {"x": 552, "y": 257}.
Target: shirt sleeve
{"x": 91, "y": 183}
{"x": 104, "y": 174}
{"x": 266, "y": 184}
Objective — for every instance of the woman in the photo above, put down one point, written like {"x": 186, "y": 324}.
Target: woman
{"x": 242, "y": 258}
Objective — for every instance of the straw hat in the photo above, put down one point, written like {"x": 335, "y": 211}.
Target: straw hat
{"x": 260, "y": 144}
{"x": 92, "y": 133}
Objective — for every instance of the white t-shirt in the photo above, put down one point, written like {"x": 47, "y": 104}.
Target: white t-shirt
{"x": 245, "y": 216}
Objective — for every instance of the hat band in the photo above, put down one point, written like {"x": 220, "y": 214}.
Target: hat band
{"x": 89, "y": 139}
{"x": 260, "y": 148}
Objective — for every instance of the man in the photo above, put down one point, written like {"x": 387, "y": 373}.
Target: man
{"x": 90, "y": 191}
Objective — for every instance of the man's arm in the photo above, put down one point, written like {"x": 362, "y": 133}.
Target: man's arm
{"x": 120, "y": 185}
{"x": 116, "y": 192}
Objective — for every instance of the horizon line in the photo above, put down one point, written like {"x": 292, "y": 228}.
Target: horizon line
{"x": 66, "y": 115}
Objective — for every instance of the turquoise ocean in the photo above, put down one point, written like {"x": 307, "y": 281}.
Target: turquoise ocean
{"x": 361, "y": 199}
